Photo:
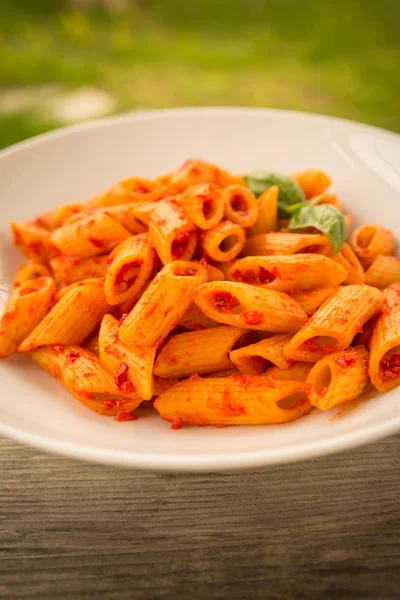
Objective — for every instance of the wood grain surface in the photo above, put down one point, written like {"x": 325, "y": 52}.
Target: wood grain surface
{"x": 328, "y": 528}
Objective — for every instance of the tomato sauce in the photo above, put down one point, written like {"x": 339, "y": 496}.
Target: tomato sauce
{"x": 121, "y": 380}
{"x": 71, "y": 357}
{"x": 224, "y": 301}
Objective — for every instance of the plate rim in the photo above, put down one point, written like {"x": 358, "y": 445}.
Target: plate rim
{"x": 212, "y": 462}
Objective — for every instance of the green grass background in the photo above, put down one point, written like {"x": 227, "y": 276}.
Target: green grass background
{"x": 340, "y": 58}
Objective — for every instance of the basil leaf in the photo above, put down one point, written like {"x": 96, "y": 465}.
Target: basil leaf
{"x": 290, "y": 193}
{"x": 324, "y": 217}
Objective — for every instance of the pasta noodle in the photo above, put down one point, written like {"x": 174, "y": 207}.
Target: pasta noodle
{"x": 213, "y": 296}
{"x": 233, "y": 400}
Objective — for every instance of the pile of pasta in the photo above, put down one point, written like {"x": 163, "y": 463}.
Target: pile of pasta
{"x": 188, "y": 293}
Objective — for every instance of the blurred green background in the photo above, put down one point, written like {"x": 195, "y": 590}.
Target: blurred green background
{"x": 65, "y": 61}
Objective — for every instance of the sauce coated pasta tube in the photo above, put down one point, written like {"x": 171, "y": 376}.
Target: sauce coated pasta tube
{"x": 30, "y": 271}
{"x": 313, "y": 182}
{"x": 334, "y": 325}
{"x": 290, "y": 273}
{"x": 384, "y": 365}
{"x": 384, "y": 271}
{"x": 71, "y": 320}
{"x": 234, "y": 400}
{"x": 338, "y": 378}
{"x": 132, "y": 366}
{"x": 82, "y": 374}
{"x": 56, "y": 217}
{"x": 89, "y": 236}
{"x": 297, "y": 372}
{"x": 172, "y": 233}
{"x": 123, "y": 214}
{"x": 193, "y": 171}
{"x": 131, "y": 265}
{"x": 165, "y": 301}
{"x": 312, "y": 299}
{"x": 278, "y": 242}
{"x": 240, "y": 205}
{"x": 348, "y": 259}
{"x": 134, "y": 189}
{"x": 198, "y": 352}
{"x": 243, "y": 305}
{"x": 257, "y": 358}
{"x": 224, "y": 242}
{"x": 203, "y": 205}
{"x": 368, "y": 241}
{"x": 267, "y": 218}
{"x": 27, "y": 305}
{"x": 34, "y": 242}
{"x": 71, "y": 269}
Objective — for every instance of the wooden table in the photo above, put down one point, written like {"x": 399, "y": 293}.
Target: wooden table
{"x": 328, "y": 528}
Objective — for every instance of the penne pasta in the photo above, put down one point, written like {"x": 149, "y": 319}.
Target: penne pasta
{"x": 224, "y": 242}
{"x": 297, "y": 372}
{"x": 348, "y": 259}
{"x": 90, "y": 236}
{"x": 28, "y": 272}
{"x": 240, "y": 205}
{"x": 134, "y": 189}
{"x": 203, "y": 205}
{"x": 198, "y": 352}
{"x": 124, "y": 214}
{"x": 172, "y": 233}
{"x": 71, "y": 320}
{"x": 192, "y": 172}
{"x": 166, "y": 299}
{"x": 258, "y": 358}
{"x": 384, "y": 271}
{"x": 194, "y": 319}
{"x": 78, "y": 284}
{"x": 384, "y": 364}
{"x": 338, "y": 378}
{"x": 312, "y": 299}
{"x": 142, "y": 212}
{"x": 92, "y": 345}
{"x": 57, "y": 217}
{"x": 71, "y": 269}
{"x": 277, "y": 243}
{"x": 34, "y": 242}
{"x": 328, "y": 199}
{"x": 313, "y": 182}
{"x": 131, "y": 265}
{"x": 131, "y": 366}
{"x": 369, "y": 241}
{"x": 83, "y": 376}
{"x": 334, "y": 325}
{"x": 27, "y": 305}
{"x": 267, "y": 218}
{"x": 291, "y": 273}
{"x": 234, "y": 400}
{"x": 243, "y": 305}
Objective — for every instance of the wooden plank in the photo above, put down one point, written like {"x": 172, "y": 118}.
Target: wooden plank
{"x": 325, "y": 528}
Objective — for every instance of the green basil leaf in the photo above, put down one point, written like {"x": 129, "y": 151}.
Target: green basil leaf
{"x": 290, "y": 193}
{"x": 324, "y": 217}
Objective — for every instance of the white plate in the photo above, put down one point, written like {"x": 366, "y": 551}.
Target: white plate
{"x": 77, "y": 162}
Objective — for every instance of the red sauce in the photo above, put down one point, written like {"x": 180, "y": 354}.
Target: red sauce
{"x": 194, "y": 377}
{"x": 95, "y": 241}
{"x": 36, "y": 246}
{"x": 123, "y": 416}
{"x": 87, "y": 374}
{"x": 253, "y": 278}
{"x": 173, "y": 360}
{"x": 390, "y": 367}
{"x": 121, "y": 380}
{"x": 243, "y": 380}
{"x": 224, "y": 301}
{"x": 123, "y": 272}
{"x": 254, "y": 317}
{"x": 8, "y": 316}
{"x": 71, "y": 357}
{"x": 176, "y": 423}
{"x": 276, "y": 272}
{"x": 291, "y": 361}
{"x": 58, "y": 348}
{"x": 123, "y": 319}
{"x": 312, "y": 346}
{"x": 110, "y": 404}
{"x": 180, "y": 244}
{"x": 228, "y": 408}
{"x": 239, "y": 204}
{"x": 345, "y": 361}
{"x": 185, "y": 272}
